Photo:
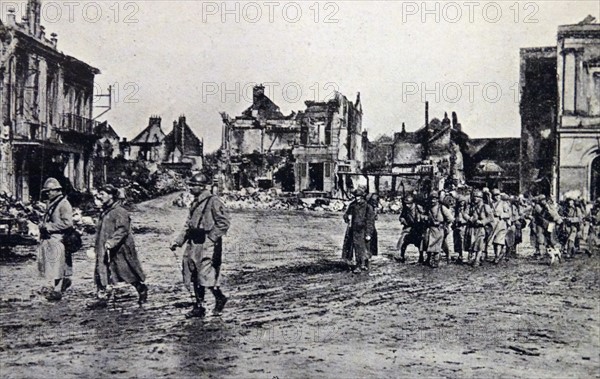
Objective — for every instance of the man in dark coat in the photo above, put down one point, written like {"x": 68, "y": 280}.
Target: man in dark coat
{"x": 362, "y": 225}
{"x": 412, "y": 228}
{"x": 116, "y": 255}
{"x": 546, "y": 220}
{"x": 207, "y": 223}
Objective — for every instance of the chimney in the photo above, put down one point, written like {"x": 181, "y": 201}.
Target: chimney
{"x": 403, "y": 129}
{"x": 11, "y": 18}
{"x": 257, "y": 93}
{"x": 54, "y": 39}
{"x": 454, "y": 120}
{"x": 42, "y": 33}
{"x": 427, "y": 115}
{"x": 33, "y": 16}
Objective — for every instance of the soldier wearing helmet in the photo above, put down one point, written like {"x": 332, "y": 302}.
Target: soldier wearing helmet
{"x": 207, "y": 223}
{"x": 360, "y": 217}
{"x": 479, "y": 217}
{"x": 436, "y": 219}
{"x": 412, "y": 227}
{"x": 52, "y": 258}
{"x": 500, "y": 224}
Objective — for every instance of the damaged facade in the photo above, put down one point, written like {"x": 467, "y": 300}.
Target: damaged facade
{"x": 560, "y": 114}
{"x": 440, "y": 155}
{"x": 46, "y": 102}
{"x": 181, "y": 147}
{"x": 301, "y": 152}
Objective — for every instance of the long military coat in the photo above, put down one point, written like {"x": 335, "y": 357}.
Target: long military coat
{"x": 51, "y": 252}
{"x": 120, "y": 263}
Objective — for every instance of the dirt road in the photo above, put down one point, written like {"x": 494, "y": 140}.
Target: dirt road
{"x": 295, "y": 311}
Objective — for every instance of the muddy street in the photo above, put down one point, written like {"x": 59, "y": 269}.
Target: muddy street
{"x": 296, "y": 311}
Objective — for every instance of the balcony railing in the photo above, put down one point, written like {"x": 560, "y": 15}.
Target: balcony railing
{"x": 73, "y": 122}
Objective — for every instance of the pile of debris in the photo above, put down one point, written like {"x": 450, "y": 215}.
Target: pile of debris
{"x": 274, "y": 199}
{"x": 142, "y": 185}
{"x": 25, "y": 219}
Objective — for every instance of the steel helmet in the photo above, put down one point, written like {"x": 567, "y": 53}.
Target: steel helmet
{"x": 198, "y": 180}
{"x": 51, "y": 184}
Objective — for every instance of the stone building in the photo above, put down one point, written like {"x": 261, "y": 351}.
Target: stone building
{"x": 560, "y": 114}
{"x": 148, "y": 144}
{"x": 301, "y": 152}
{"x": 46, "y": 100}
{"x": 180, "y": 148}
{"x": 332, "y": 143}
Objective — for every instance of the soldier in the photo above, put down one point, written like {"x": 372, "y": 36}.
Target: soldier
{"x": 480, "y": 216}
{"x": 518, "y": 209}
{"x": 593, "y": 237}
{"x": 449, "y": 201}
{"x": 500, "y": 224}
{"x": 116, "y": 256}
{"x": 373, "y": 201}
{"x": 57, "y": 220}
{"x": 461, "y": 217}
{"x": 437, "y": 218}
{"x": 207, "y": 223}
{"x": 412, "y": 228}
{"x": 533, "y": 239}
{"x": 546, "y": 218}
{"x": 362, "y": 224}
{"x": 572, "y": 217}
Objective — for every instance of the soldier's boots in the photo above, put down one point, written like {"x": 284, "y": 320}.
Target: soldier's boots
{"x": 219, "y": 305}
{"x": 142, "y": 290}
{"x": 476, "y": 259}
{"x": 433, "y": 259}
{"x": 220, "y": 301}
{"x": 197, "y": 311}
{"x": 66, "y": 284}
{"x": 421, "y": 260}
{"x": 54, "y": 296}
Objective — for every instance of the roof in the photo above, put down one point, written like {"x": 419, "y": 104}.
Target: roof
{"x": 266, "y": 108}
{"x": 192, "y": 146}
{"x": 497, "y": 149}
{"x": 153, "y": 134}
{"x": 105, "y": 130}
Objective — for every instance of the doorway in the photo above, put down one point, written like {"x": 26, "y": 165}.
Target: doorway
{"x": 315, "y": 176}
{"x": 595, "y": 179}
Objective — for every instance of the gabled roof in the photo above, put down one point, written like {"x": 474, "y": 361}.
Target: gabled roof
{"x": 184, "y": 139}
{"x": 153, "y": 134}
{"x": 105, "y": 130}
{"x": 266, "y": 108}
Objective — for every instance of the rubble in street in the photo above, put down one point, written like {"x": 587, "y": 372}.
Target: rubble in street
{"x": 253, "y": 199}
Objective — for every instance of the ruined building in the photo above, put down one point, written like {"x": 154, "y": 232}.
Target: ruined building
{"x": 181, "y": 146}
{"x": 560, "y": 114}
{"x": 441, "y": 155}
{"x": 302, "y": 152}
{"x": 46, "y": 108}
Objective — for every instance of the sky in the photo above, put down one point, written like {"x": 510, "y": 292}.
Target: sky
{"x": 200, "y": 58}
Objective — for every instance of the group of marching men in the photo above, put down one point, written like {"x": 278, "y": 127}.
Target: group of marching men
{"x": 115, "y": 252}
{"x": 467, "y": 229}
